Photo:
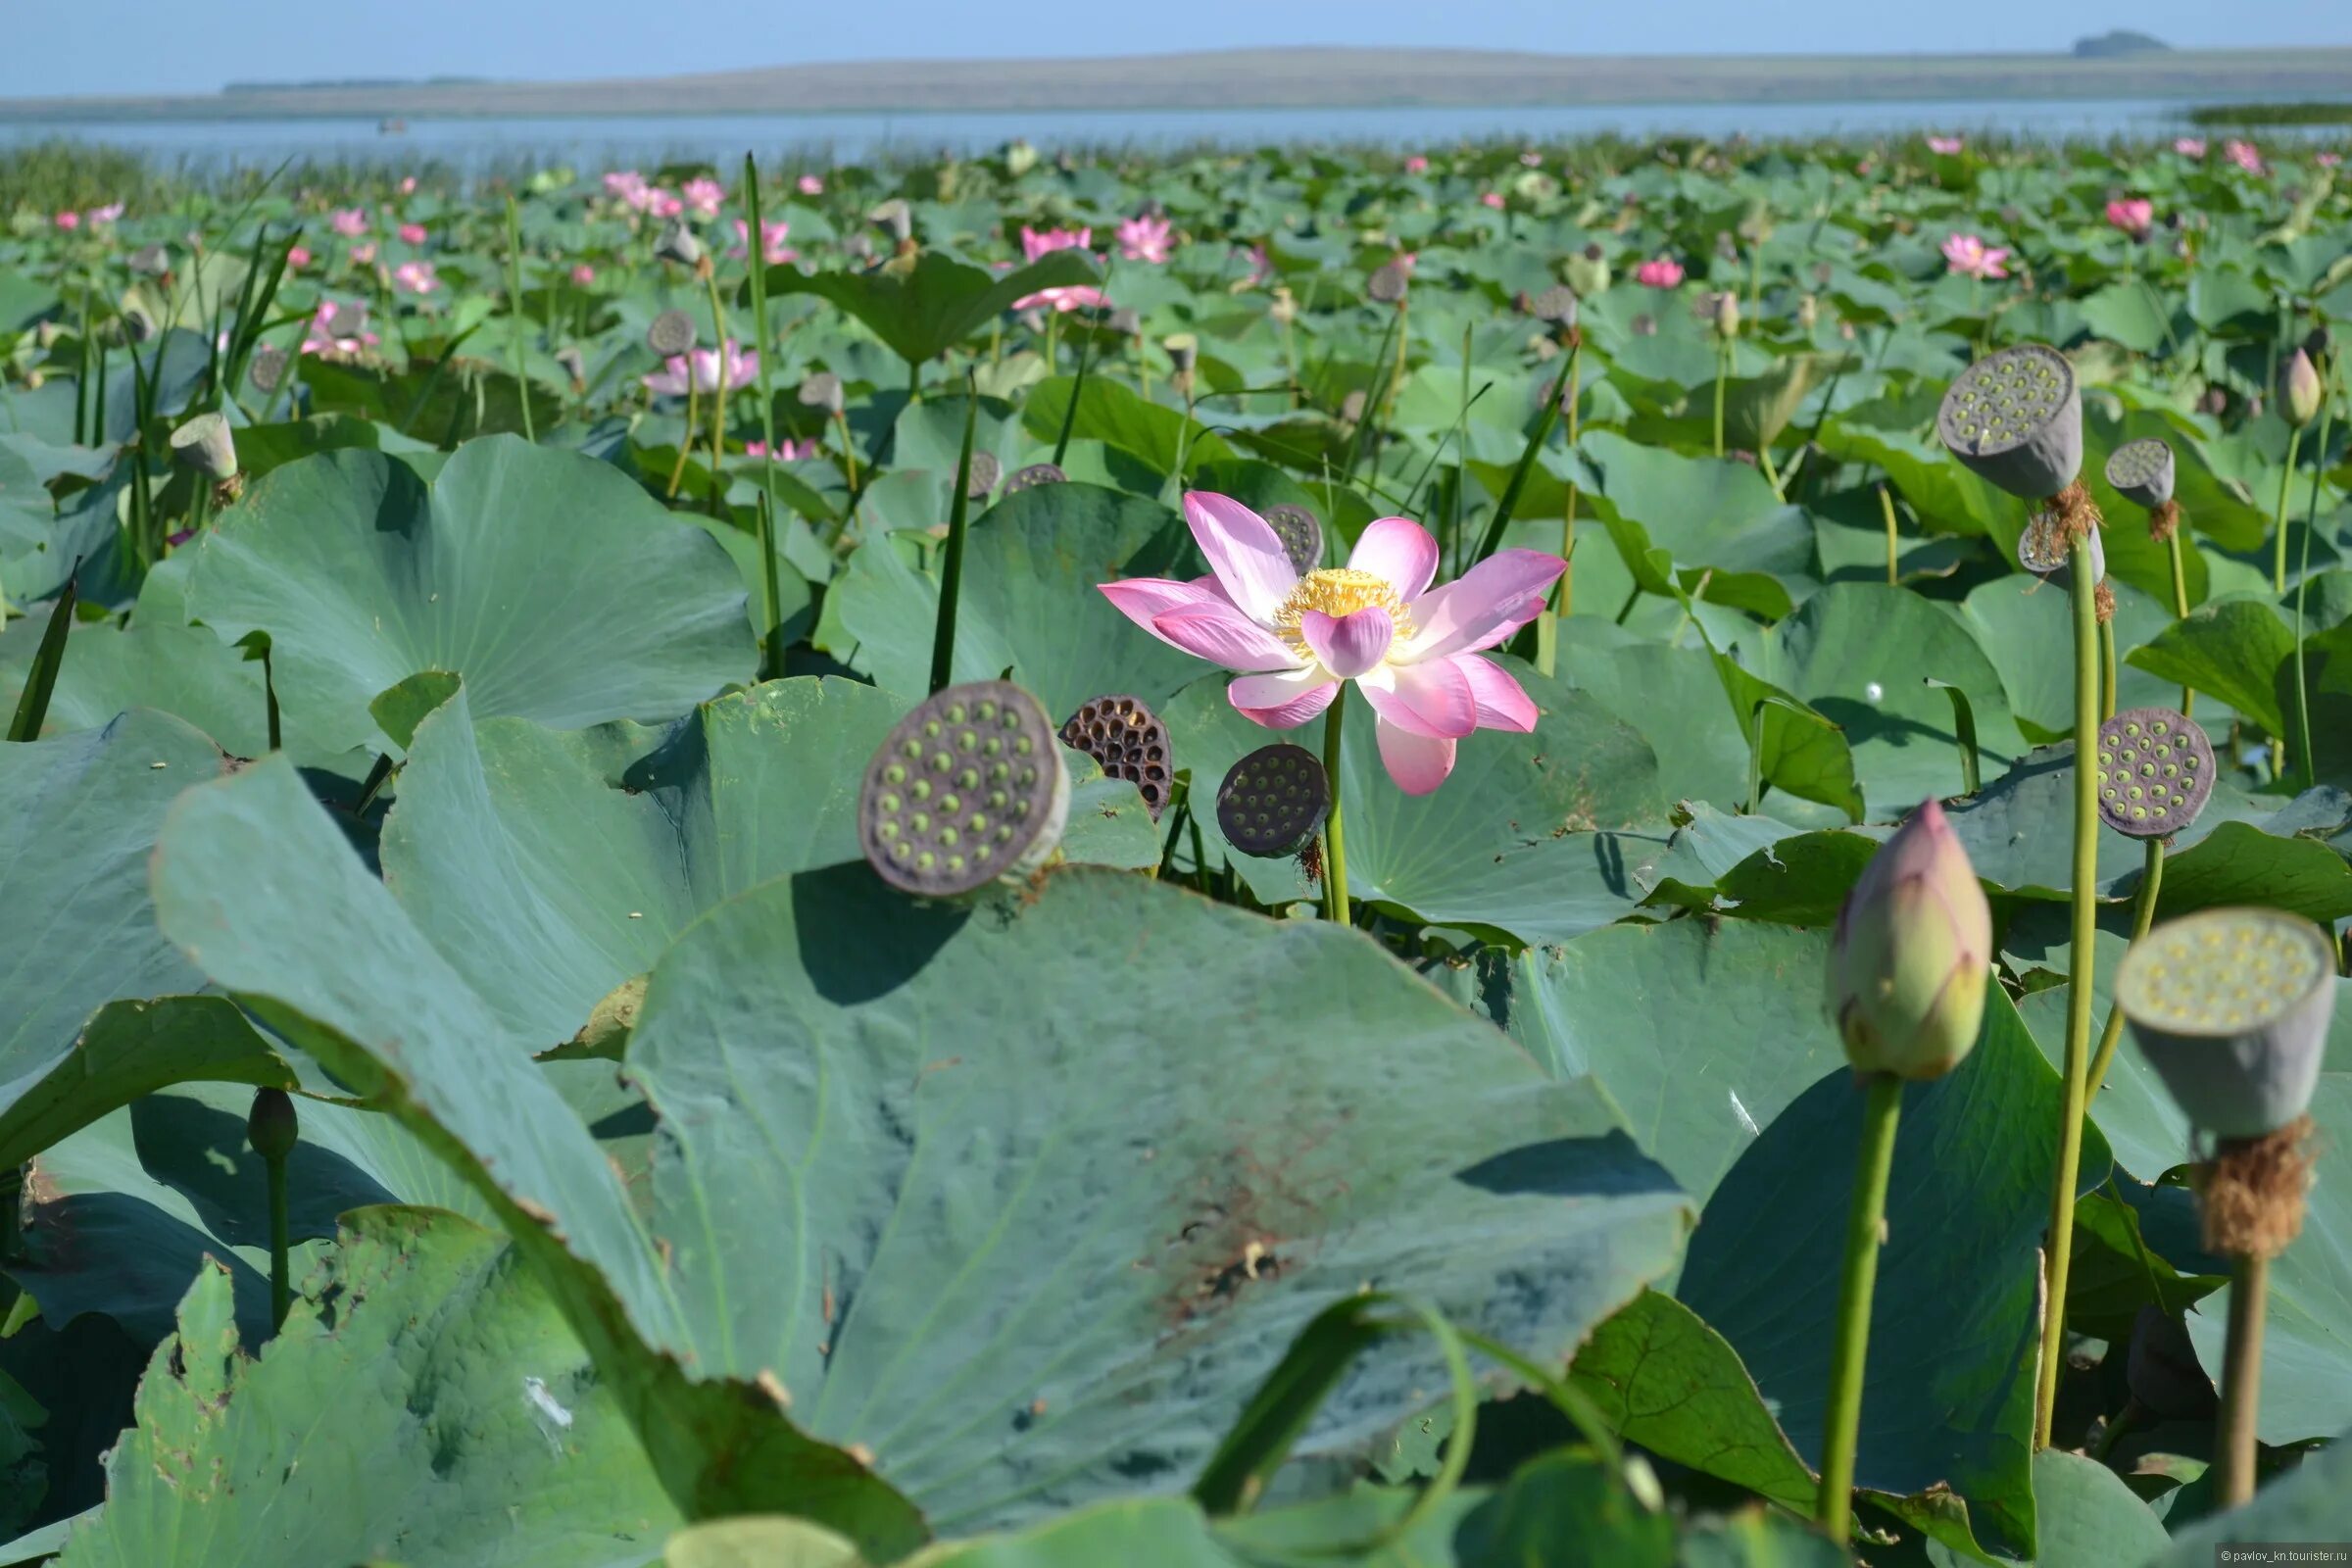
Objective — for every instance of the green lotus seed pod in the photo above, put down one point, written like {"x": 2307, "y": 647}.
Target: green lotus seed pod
{"x": 150, "y": 261}
{"x": 2155, "y": 771}
{"x": 1387, "y": 283}
{"x": 969, "y": 788}
{"x": 678, "y": 244}
{"x": 2015, "y": 417}
{"x": 1912, "y": 954}
{"x": 2230, "y": 1006}
{"x": 1301, "y": 535}
{"x": 894, "y": 219}
{"x": 1556, "y": 304}
{"x": 1128, "y": 741}
{"x": 2141, "y": 471}
{"x": 267, "y": 369}
{"x": 823, "y": 391}
{"x": 1273, "y": 801}
{"x": 671, "y": 333}
{"x": 272, "y": 1128}
{"x": 206, "y": 445}
{"x": 1183, "y": 352}
{"x": 986, "y": 471}
{"x": 1032, "y": 477}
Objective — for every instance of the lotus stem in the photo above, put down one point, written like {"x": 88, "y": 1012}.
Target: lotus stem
{"x": 2107, "y": 673}
{"x": 1335, "y": 847}
{"x": 718, "y": 393}
{"x": 1723, "y": 370}
{"x": 2143, "y": 914}
{"x": 1886, "y": 506}
{"x": 282, "y": 1293}
{"x": 2242, "y": 1383}
{"x": 523, "y": 386}
{"x": 951, "y": 571}
{"x": 848, "y": 450}
{"x": 772, "y": 650}
{"x": 1388, "y": 399}
{"x": 2081, "y": 967}
{"x": 2181, "y": 610}
{"x": 2287, "y": 478}
{"x": 693, "y": 403}
{"x": 1849, "y": 1351}
{"x": 2310, "y": 525}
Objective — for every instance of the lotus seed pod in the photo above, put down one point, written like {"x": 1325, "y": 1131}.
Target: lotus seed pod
{"x": 1273, "y": 801}
{"x": 575, "y": 363}
{"x": 150, "y": 261}
{"x": 894, "y": 219}
{"x": 671, "y": 333}
{"x": 1129, "y": 741}
{"x": 2015, "y": 417}
{"x": 1912, "y": 954}
{"x": 2231, "y": 1007}
{"x": 859, "y": 246}
{"x": 1019, "y": 158}
{"x": 2299, "y": 389}
{"x": 1032, "y": 477}
{"x": 1126, "y": 320}
{"x": 267, "y": 369}
{"x": 2318, "y": 342}
{"x": 271, "y": 1127}
{"x": 969, "y": 788}
{"x": 678, "y": 244}
{"x": 1808, "y": 313}
{"x": 2155, "y": 772}
{"x": 2163, "y": 1373}
{"x": 822, "y": 390}
{"x": 986, "y": 471}
{"x": 1555, "y": 304}
{"x": 2141, "y": 471}
{"x": 1183, "y": 352}
{"x": 2042, "y": 548}
{"x": 1301, "y": 535}
{"x": 137, "y": 325}
{"x": 1387, "y": 283}
{"x": 206, "y": 445}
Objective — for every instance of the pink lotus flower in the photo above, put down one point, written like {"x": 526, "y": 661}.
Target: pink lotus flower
{"x": 412, "y": 233}
{"x": 407, "y": 185}
{"x": 1416, "y": 165}
{"x": 662, "y": 202}
{"x": 1662, "y": 271}
{"x": 699, "y": 370}
{"x": 68, "y": 220}
{"x": 629, "y": 188}
{"x": 2243, "y": 155}
{"x": 348, "y": 221}
{"x": 1144, "y": 238}
{"x": 1970, "y": 257}
{"x": 2133, "y": 216}
{"x": 298, "y": 257}
{"x": 1492, "y": 198}
{"x": 338, "y": 329}
{"x": 812, "y": 185}
{"x": 584, "y": 275}
{"x": 364, "y": 255}
{"x": 415, "y": 277}
{"x": 1261, "y": 267}
{"x": 772, "y": 248}
{"x": 2328, "y": 160}
{"x": 1532, "y": 159}
{"x": 1412, "y": 650}
{"x": 1035, "y": 244}
{"x": 1944, "y": 146}
{"x": 2189, "y": 146}
{"x": 703, "y": 196}
{"x": 1067, "y": 298}
{"x": 102, "y": 217}
{"x": 787, "y": 448}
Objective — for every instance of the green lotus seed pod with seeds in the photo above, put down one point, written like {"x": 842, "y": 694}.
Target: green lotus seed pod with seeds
{"x": 2230, "y": 1006}
{"x": 2015, "y": 417}
{"x": 985, "y": 473}
{"x": 2155, "y": 771}
{"x": 1274, "y": 802}
{"x": 1032, "y": 477}
{"x": 1301, "y": 535}
{"x": 922, "y": 821}
{"x": 2141, "y": 471}
{"x": 1127, "y": 740}
{"x": 671, "y": 333}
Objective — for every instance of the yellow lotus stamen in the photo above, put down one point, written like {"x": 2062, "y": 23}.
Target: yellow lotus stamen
{"x": 1338, "y": 591}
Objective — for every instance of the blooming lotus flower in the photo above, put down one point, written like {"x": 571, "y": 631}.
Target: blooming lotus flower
{"x": 68, "y": 220}
{"x": 1035, "y": 244}
{"x": 625, "y": 184}
{"x": 1144, "y": 238}
{"x": 662, "y": 202}
{"x": 699, "y": 370}
{"x": 772, "y": 248}
{"x": 2133, "y": 216}
{"x": 2243, "y": 155}
{"x": 1063, "y": 300}
{"x": 1492, "y": 198}
{"x": 1412, "y": 650}
{"x": 348, "y": 221}
{"x": 1912, "y": 953}
{"x": 584, "y": 275}
{"x": 412, "y": 233}
{"x": 810, "y": 185}
{"x": 1416, "y": 165}
{"x": 703, "y": 196}
{"x": 2328, "y": 160}
{"x": 1662, "y": 271}
{"x": 1532, "y": 159}
{"x": 407, "y": 185}
{"x": 1970, "y": 257}
{"x": 1944, "y": 146}
{"x": 2189, "y": 146}
{"x": 102, "y": 217}
{"x": 415, "y": 277}
{"x": 1261, "y": 267}
{"x": 787, "y": 448}
{"x": 298, "y": 257}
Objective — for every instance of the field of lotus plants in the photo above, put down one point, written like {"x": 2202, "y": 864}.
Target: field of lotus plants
{"x": 1183, "y": 862}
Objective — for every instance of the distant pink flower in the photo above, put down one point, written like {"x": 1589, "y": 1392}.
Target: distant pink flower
{"x": 787, "y": 448}
{"x": 1070, "y": 297}
{"x": 412, "y": 233}
{"x": 703, "y": 196}
{"x": 812, "y": 185}
{"x": 338, "y": 329}
{"x": 102, "y": 217}
{"x": 2243, "y": 155}
{"x": 662, "y": 202}
{"x": 1035, "y": 244}
{"x": 2189, "y": 146}
{"x": 1970, "y": 257}
{"x": 68, "y": 220}
{"x": 629, "y": 188}
{"x": 415, "y": 277}
{"x": 407, "y": 185}
{"x": 1532, "y": 159}
{"x": 1410, "y": 649}
{"x": 699, "y": 370}
{"x": 772, "y": 248}
{"x": 2328, "y": 160}
{"x": 298, "y": 257}
{"x": 2132, "y": 216}
{"x": 1944, "y": 146}
{"x": 584, "y": 275}
{"x": 1416, "y": 165}
{"x": 1493, "y": 199}
{"x": 348, "y": 221}
{"x": 1662, "y": 271}
{"x": 364, "y": 255}
{"x": 1261, "y": 265}
{"x": 1144, "y": 238}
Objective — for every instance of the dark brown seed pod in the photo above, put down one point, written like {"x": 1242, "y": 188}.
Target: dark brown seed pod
{"x": 1274, "y": 802}
{"x": 1032, "y": 477}
{"x": 2141, "y": 471}
{"x": 2015, "y": 417}
{"x": 1129, "y": 742}
{"x": 670, "y": 333}
{"x": 1301, "y": 535}
{"x": 968, "y": 788}
{"x": 2155, "y": 772}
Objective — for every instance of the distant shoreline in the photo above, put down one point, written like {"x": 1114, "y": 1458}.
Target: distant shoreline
{"x": 1271, "y": 79}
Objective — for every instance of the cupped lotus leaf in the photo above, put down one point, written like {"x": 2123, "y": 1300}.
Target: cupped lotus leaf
{"x": 1023, "y": 1266}
{"x": 424, "y": 1403}
{"x": 924, "y": 306}
{"x": 553, "y": 585}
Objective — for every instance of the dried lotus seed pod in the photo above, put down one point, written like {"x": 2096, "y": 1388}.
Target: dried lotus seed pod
{"x": 1387, "y": 283}
{"x": 2231, "y": 1007}
{"x": 1300, "y": 534}
{"x": 671, "y": 333}
{"x": 2015, "y": 417}
{"x": 969, "y": 788}
{"x": 1129, "y": 742}
{"x": 1032, "y": 477}
{"x": 1555, "y": 304}
{"x": 2155, "y": 772}
{"x": 986, "y": 471}
{"x": 1273, "y": 801}
{"x": 268, "y": 371}
{"x": 2141, "y": 471}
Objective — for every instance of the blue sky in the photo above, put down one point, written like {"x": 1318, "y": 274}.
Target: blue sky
{"x": 85, "y": 46}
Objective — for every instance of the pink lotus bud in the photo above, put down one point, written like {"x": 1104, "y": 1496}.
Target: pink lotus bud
{"x": 584, "y": 275}
{"x": 1912, "y": 954}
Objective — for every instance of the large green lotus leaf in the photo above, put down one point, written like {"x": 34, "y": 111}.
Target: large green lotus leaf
{"x": 2027, "y": 627}
{"x": 1861, "y": 655}
{"x": 1118, "y": 416}
{"x": 1028, "y": 601}
{"x": 185, "y": 671}
{"x": 925, "y": 308}
{"x": 2307, "y": 1332}
{"x": 1023, "y": 1265}
{"x": 2087, "y": 1516}
{"x": 1519, "y": 842}
{"x": 1947, "y": 496}
{"x": 553, "y": 584}
{"x": 2232, "y": 649}
{"x": 1701, "y": 514}
{"x": 1674, "y": 699}
{"x": 424, "y": 1403}
{"x": 1954, "y": 1326}
{"x": 2312, "y": 1505}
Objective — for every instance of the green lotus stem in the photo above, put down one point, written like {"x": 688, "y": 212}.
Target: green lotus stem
{"x": 718, "y": 392}
{"x": 2080, "y": 965}
{"x": 2107, "y": 676}
{"x": 1772, "y": 475}
{"x": 2143, "y": 914}
{"x": 282, "y": 1293}
{"x": 1335, "y": 846}
{"x": 1723, "y": 370}
{"x": 2242, "y": 1383}
{"x": 2180, "y": 608}
{"x": 2287, "y": 478}
{"x": 771, "y": 651}
{"x": 1388, "y": 399}
{"x": 522, "y": 387}
{"x": 1886, "y": 506}
{"x": 2310, "y": 525}
{"x": 693, "y": 403}
{"x": 951, "y": 571}
{"x": 1849, "y": 1350}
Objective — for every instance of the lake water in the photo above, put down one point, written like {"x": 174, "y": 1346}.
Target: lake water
{"x": 603, "y": 141}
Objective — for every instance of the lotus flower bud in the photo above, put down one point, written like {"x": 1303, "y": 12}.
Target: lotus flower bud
{"x": 2299, "y": 389}
{"x": 1727, "y": 313}
{"x": 1912, "y": 954}
{"x": 206, "y": 444}
{"x": 894, "y": 219}
{"x": 1019, "y": 158}
{"x": 1808, "y": 313}
{"x": 273, "y": 1127}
